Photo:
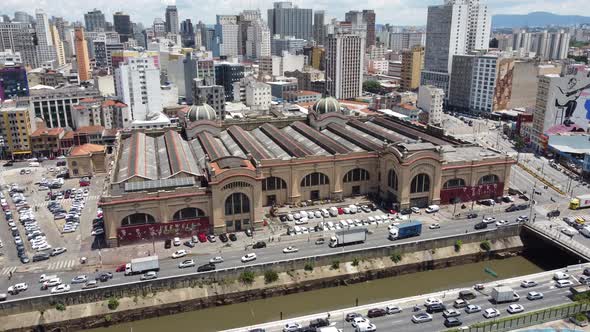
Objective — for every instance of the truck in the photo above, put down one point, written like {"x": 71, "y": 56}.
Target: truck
{"x": 405, "y": 230}
{"x": 503, "y": 294}
{"x": 142, "y": 265}
{"x": 580, "y": 202}
{"x": 348, "y": 237}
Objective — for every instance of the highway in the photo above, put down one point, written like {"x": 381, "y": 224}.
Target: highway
{"x": 272, "y": 253}
{"x": 403, "y": 321}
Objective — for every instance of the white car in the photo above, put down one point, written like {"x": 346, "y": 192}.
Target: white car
{"x": 432, "y": 300}
{"x": 393, "y": 309}
{"x": 451, "y": 313}
{"x": 515, "y": 308}
{"x": 291, "y": 327}
{"x": 415, "y": 209}
{"x": 491, "y": 313}
{"x": 422, "y": 317}
{"x": 176, "y": 241}
{"x": 63, "y": 288}
{"x": 472, "y": 308}
{"x": 434, "y": 226}
{"x": 569, "y": 231}
{"x": 563, "y": 283}
{"x": 79, "y": 279}
{"x": 44, "y": 247}
{"x": 500, "y": 223}
{"x": 534, "y": 296}
{"x": 488, "y": 220}
{"x": 367, "y": 327}
{"x": 528, "y": 283}
{"x": 186, "y": 263}
{"x": 290, "y": 249}
{"x": 149, "y": 275}
{"x": 359, "y": 320}
{"x": 18, "y": 288}
{"x": 179, "y": 253}
{"x": 318, "y": 214}
{"x": 248, "y": 257}
{"x": 216, "y": 260}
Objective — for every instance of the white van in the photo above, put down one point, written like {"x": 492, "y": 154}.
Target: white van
{"x": 334, "y": 211}
{"x": 432, "y": 209}
{"x": 353, "y": 208}
{"x": 343, "y": 223}
{"x": 560, "y": 275}
{"x": 46, "y": 277}
{"x": 326, "y": 213}
{"x": 34, "y": 164}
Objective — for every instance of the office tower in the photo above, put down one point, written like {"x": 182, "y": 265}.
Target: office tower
{"x": 412, "y": 62}
{"x": 94, "y": 21}
{"x": 60, "y": 25}
{"x": 82, "y": 57}
{"x": 287, "y": 20}
{"x": 364, "y": 20}
{"x": 137, "y": 82}
{"x": 226, "y": 74}
{"x": 19, "y": 37}
{"x": 159, "y": 28}
{"x": 227, "y": 33}
{"x": 59, "y": 46}
{"x": 206, "y": 71}
{"x": 172, "y": 20}
{"x": 189, "y": 65}
{"x": 22, "y": 17}
{"x": 122, "y": 23}
{"x": 187, "y": 33}
{"x": 399, "y": 41}
{"x": 202, "y": 29}
{"x": 345, "y": 52}
{"x": 319, "y": 29}
{"x": 254, "y": 35}
{"x": 45, "y": 48}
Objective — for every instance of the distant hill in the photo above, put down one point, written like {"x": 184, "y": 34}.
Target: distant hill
{"x": 537, "y": 19}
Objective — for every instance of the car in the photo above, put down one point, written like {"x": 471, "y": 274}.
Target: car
{"x": 532, "y": 296}
{"x": 451, "y": 313}
{"x": 563, "y": 283}
{"x": 404, "y": 212}
{"x": 149, "y": 275}
{"x": 515, "y": 308}
{"x": 248, "y": 257}
{"x": 24, "y": 259}
{"x": 216, "y": 260}
{"x": 452, "y": 322}
{"x": 471, "y": 215}
{"x": 560, "y": 275}
{"x": 79, "y": 279}
{"x": 432, "y": 209}
{"x": 376, "y": 312}
{"x": 179, "y": 253}
{"x": 248, "y": 232}
{"x": 211, "y": 238}
{"x": 186, "y": 263}
{"x": 501, "y": 223}
{"x": 584, "y": 279}
{"x": 58, "y": 251}
{"x": 319, "y": 322}
{"x": 320, "y": 241}
{"x": 290, "y": 249}
{"x": 233, "y": 237}
{"x": 40, "y": 257}
{"x": 472, "y": 308}
{"x": 104, "y": 276}
{"x": 434, "y": 226}
{"x": 120, "y": 268}
{"x": 189, "y": 244}
{"x": 415, "y": 209}
{"x": 488, "y": 220}
{"x": 90, "y": 284}
{"x": 206, "y": 267}
{"x": 359, "y": 320}
{"x": 351, "y": 316}
{"x": 522, "y": 219}
{"x": 491, "y": 313}
{"x": 460, "y": 303}
{"x": 259, "y": 245}
{"x": 63, "y": 288}
{"x": 528, "y": 283}
{"x": 437, "y": 307}
{"x": 292, "y": 327}
{"x": 223, "y": 238}
{"x": 480, "y": 225}
{"x": 432, "y": 300}
{"x": 17, "y": 288}
{"x": 176, "y": 241}
{"x": 393, "y": 309}
{"x": 422, "y": 317}
{"x": 569, "y": 231}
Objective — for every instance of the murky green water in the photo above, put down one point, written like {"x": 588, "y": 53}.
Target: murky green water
{"x": 231, "y": 316}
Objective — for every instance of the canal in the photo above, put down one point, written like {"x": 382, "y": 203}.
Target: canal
{"x": 242, "y": 314}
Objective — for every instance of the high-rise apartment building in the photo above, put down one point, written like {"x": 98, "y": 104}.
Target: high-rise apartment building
{"x": 412, "y": 63}
{"x": 82, "y": 57}
{"x": 19, "y": 37}
{"x": 172, "y": 20}
{"x": 287, "y": 20}
{"x": 94, "y": 20}
{"x": 122, "y": 23}
{"x": 319, "y": 27}
{"x": 59, "y": 46}
{"x": 543, "y": 44}
{"x": 16, "y": 125}
{"x": 363, "y": 21}
{"x": 227, "y": 36}
{"x": 345, "y": 52}
{"x": 137, "y": 83}
{"x": 45, "y": 48}
{"x": 258, "y": 40}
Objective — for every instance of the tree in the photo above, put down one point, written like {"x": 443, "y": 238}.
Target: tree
{"x": 247, "y": 277}
{"x": 518, "y": 145}
{"x": 372, "y": 86}
{"x": 270, "y": 276}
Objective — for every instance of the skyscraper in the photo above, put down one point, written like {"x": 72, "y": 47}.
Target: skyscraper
{"x": 364, "y": 20}
{"x": 122, "y": 24}
{"x": 45, "y": 48}
{"x": 94, "y": 20}
{"x": 254, "y": 35}
{"x": 59, "y": 46}
{"x": 82, "y": 54}
{"x": 227, "y": 33}
{"x": 412, "y": 62}
{"x": 345, "y": 52}
{"x": 172, "y": 20}
{"x": 286, "y": 20}
{"x": 138, "y": 85}
{"x": 319, "y": 29}
{"x": 22, "y": 17}
{"x": 187, "y": 33}
{"x": 19, "y": 37}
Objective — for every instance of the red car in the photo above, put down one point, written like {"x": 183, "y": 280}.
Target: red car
{"x": 202, "y": 237}
{"x": 84, "y": 183}
{"x": 340, "y": 211}
{"x": 120, "y": 268}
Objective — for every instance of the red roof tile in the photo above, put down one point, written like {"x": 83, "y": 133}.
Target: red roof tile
{"x": 86, "y": 149}
{"x": 47, "y": 132}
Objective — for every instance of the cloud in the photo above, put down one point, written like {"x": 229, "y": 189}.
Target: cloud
{"x": 396, "y": 12}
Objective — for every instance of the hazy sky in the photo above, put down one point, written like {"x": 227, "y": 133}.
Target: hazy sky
{"x": 396, "y": 12}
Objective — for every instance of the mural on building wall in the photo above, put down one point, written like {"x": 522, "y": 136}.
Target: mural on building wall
{"x": 503, "y": 88}
{"x": 161, "y": 231}
{"x": 568, "y": 104}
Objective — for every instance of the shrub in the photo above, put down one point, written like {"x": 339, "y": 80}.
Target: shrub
{"x": 485, "y": 245}
{"x": 396, "y": 257}
{"x": 60, "y": 306}
{"x": 335, "y": 265}
{"x": 270, "y": 276}
{"x": 580, "y": 317}
{"x": 108, "y": 318}
{"x": 458, "y": 245}
{"x": 247, "y": 277}
{"x": 113, "y": 303}
{"x": 308, "y": 267}
{"x": 355, "y": 262}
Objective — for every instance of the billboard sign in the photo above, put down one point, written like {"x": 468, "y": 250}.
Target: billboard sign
{"x": 161, "y": 231}
{"x": 568, "y": 103}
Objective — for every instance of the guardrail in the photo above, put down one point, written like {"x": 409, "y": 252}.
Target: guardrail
{"x": 561, "y": 239}
{"x": 542, "y": 179}
{"x": 193, "y": 278}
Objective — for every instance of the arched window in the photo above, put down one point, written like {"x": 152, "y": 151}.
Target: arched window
{"x": 138, "y": 219}
{"x": 237, "y": 203}
{"x": 420, "y": 183}
{"x": 392, "y": 179}
{"x": 454, "y": 183}
{"x": 488, "y": 179}
{"x": 356, "y": 175}
{"x": 237, "y": 184}
{"x": 273, "y": 183}
{"x": 315, "y": 179}
{"x": 188, "y": 213}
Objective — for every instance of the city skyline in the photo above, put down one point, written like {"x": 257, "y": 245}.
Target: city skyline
{"x": 399, "y": 12}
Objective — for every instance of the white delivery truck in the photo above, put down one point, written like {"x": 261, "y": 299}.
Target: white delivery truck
{"x": 348, "y": 236}
{"x": 142, "y": 265}
{"x": 503, "y": 294}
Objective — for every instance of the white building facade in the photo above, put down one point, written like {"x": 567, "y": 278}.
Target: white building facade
{"x": 430, "y": 100}
{"x": 345, "y": 51}
{"x": 138, "y": 85}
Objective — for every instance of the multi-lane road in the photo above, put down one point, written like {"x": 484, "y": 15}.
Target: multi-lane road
{"x": 402, "y": 321}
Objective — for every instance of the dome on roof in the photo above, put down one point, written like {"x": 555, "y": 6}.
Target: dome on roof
{"x": 326, "y": 105}
{"x": 201, "y": 112}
